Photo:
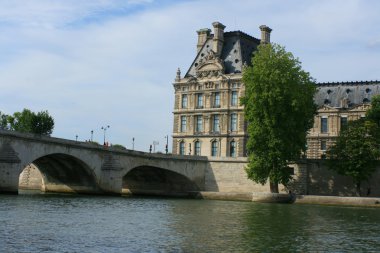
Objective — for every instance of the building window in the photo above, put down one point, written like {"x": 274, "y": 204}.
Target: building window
{"x": 183, "y": 123}
{"x": 197, "y": 148}
{"x": 199, "y": 100}
{"x": 233, "y": 122}
{"x": 343, "y": 122}
{"x": 216, "y": 127}
{"x": 182, "y": 148}
{"x": 234, "y": 98}
{"x": 184, "y": 101}
{"x": 199, "y": 124}
{"x": 233, "y": 149}
{"x": 323, "y": 146}
{"x": 216, "y": 99}
{"x": 324, "y": 127}
{"x": 214, "y": 148}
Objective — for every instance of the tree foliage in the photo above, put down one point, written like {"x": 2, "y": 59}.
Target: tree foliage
{"x": 30, "y": 122}
{"x": 279, "y": 110}
{"x": 21, "y": 121}
{"x": 42, "y": 123}
{"x": 373, "y": 113}
{"x": 3, "y": 121}
{"x": 356, "y": 151}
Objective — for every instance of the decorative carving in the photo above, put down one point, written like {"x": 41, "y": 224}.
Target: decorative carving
{"x": 210, "y": 66}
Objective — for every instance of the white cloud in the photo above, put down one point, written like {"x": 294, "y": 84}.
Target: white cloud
{"x": 92, "y": 68}
{"x": 57, "y": 13}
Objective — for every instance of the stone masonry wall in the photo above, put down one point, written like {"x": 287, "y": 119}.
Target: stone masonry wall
{"x": 31, "y": 178}
{"x": 322, "y": 181}
{"x": 228, "y": 175}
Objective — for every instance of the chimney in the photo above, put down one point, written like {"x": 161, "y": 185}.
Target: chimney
{"x": 265, "y": 34}
{"x": 203, "y": 34}
{"x": 218, "y": 38}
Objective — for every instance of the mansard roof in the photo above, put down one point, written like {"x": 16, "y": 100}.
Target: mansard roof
{"x": 238, "y": 48}
{"x": 336, "y": 94}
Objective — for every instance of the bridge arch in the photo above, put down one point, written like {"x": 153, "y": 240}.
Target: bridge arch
{"x": 61, "y": 173}
{"x": 151, "y": 180}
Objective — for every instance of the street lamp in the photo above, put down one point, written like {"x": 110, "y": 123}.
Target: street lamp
{"x": 167, "y": 144}
{"x": 133, "y": 143}
{"x": 92, "y": 135}
{"x": 76, "y": 138}
{"x": 104, "y": 130}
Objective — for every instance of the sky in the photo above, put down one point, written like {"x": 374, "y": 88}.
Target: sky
{"x": 94, "y": 63}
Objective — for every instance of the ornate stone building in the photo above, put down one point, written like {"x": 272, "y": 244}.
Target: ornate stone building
{"x": 337, "y": 103}
{"x": 208, "y": 117}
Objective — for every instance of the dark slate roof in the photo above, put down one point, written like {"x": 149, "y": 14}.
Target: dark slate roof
{"x": 356, "y": 92}
{"x": 237, "y": 50}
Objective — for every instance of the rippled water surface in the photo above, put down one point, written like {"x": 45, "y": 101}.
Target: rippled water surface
{"x": 56, "y": 223}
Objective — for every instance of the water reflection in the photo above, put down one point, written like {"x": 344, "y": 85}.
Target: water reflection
{"x": 112, "y": 224}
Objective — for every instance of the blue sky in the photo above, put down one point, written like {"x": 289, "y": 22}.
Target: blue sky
{"x": 92, "y": 63}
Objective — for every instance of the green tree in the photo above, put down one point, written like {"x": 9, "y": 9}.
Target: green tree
{"x": 373, "y": 113}
{"x": 279, "y": 110}
{"x": 42, "y": 123}
{"x": 3, "y": 121}
{"x": 30, "y": 122}
{"x": 21, "y": 121}
{"x": 356, "y": 151}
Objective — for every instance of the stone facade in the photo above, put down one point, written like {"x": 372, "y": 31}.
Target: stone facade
{"x": 208, "y": 117}
{"x": 337, "y": 104}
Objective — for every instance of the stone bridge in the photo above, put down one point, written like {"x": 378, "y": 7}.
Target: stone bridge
{"x": 70, "y": 166}
{"x": 80, "y": 167}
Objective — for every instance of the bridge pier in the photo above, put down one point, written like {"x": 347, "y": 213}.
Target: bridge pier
{"x": 111, "y": 182}
{"x": 8, "y": 177}
{"x": 10, "y": 167}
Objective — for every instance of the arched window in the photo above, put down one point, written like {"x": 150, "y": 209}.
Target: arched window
{"x": 233, "y": 149}
{"x": 197, "y": 148}
{"x": 214, "y": 148}
{"x": 182, "y": 148}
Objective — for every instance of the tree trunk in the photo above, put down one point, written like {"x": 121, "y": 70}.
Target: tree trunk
{"x": 358, "y": 190}
{"x": 273, "y": 187}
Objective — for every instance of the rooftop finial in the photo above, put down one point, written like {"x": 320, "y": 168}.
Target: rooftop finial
{"x": 178, "y": 76}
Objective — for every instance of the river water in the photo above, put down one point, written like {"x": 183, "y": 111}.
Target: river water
{"x": 70, "y": 223}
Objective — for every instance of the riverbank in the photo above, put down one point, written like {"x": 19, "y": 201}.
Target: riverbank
{"x": 296, "y": 199}
{"x": 336, "y": 200}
